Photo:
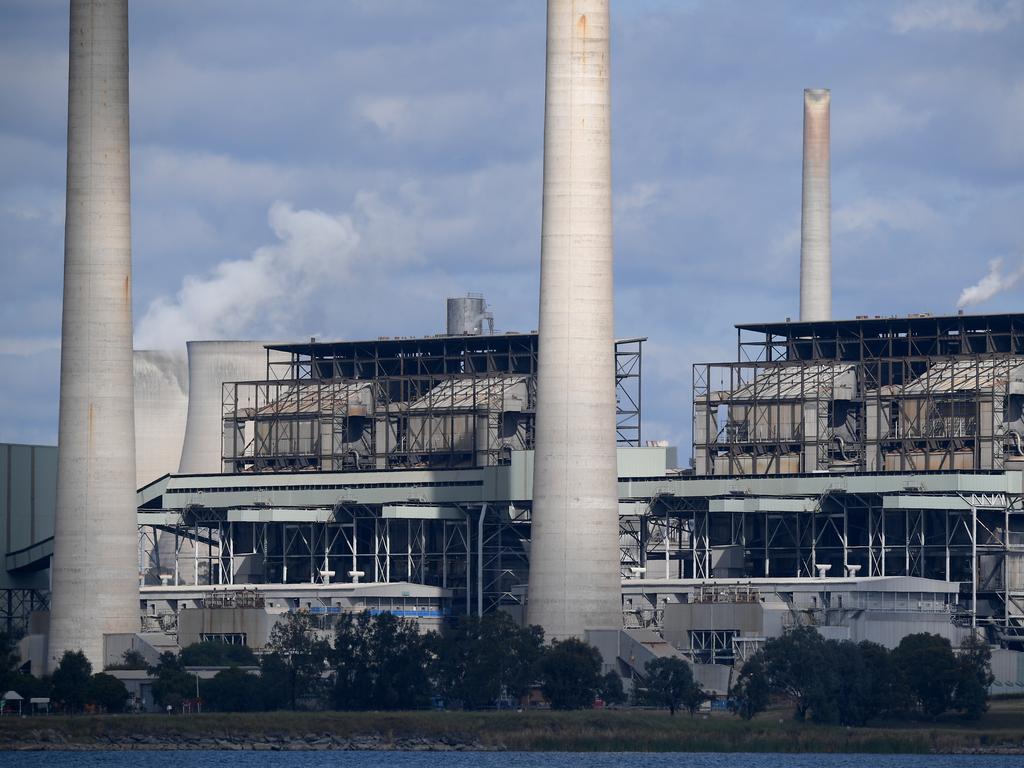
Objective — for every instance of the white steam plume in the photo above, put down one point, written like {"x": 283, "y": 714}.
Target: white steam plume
{"x": 266, "y": 294}
{"x": 993, "y": 283}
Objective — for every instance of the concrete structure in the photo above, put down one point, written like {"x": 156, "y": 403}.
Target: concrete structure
{"x": 210, "y": 364}
{"x": 573, "y": 578}
{"x": 161, "y": 407}
{"x": 467, "y": 315}
{"x": 816, "y": 222}
{"x": 95, "y": 573}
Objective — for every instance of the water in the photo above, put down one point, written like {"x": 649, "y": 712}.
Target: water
{"x": 213, "y": 759}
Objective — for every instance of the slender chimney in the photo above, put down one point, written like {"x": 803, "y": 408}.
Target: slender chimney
{"x": 95, "y": 571}
{"x": 574, "y": 554}
{"x": 816, "y": 225}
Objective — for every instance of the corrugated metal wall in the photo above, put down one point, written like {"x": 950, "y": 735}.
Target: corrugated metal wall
{"x": 28, "y": 487}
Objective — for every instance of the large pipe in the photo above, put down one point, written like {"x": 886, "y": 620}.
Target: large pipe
{"x": 95, "y": 578}
{"x": 574, "y": 555}
{"x": 816, "y": 222}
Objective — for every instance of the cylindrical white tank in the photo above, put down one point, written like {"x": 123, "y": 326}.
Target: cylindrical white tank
{"x": 210, "y": 364}
{"x": 816, "y": 222}
{"x": 95, "y": 569}
{"x": 574, "y": 554}
{"x": 161, "y": 405}
{"x": 466, "y": 315}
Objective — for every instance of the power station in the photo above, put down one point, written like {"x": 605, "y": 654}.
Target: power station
{"x": 863, "y": 476}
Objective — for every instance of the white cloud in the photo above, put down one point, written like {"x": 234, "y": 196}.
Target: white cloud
{"x": 993, "y": 283}
{"x": 870, "y": 214}
{"x": 22, "y": 347}
{"x": 958, "y": 15}
{"x": 876, "y": 117}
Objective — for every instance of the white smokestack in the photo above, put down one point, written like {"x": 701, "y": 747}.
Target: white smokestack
{"x": 574, "y": 552}
{"x": 95, "y": 572}
{"x": 816, "y": 224}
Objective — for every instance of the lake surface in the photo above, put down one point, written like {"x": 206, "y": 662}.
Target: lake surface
{"x": 214, "y": 759}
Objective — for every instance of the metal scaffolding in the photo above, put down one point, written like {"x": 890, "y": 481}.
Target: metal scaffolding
{"x": 872, "y": 395}
{"x": 440, "y": 402}
{"x": 974, "y": 540}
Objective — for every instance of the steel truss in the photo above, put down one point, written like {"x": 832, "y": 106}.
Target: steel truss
{"x": 441, "y": 402}
{"x": 882, "y": 394}
{"x": 17, "y": 605}
{"x": 977, "y": 541}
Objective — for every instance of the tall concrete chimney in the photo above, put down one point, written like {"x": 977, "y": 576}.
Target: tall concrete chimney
{"x": 816, "y": 224}
{"x": 95, "y": 572}
{"x": 574, "y": 553}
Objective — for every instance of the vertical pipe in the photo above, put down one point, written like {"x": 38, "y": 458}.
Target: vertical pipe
{"x": 94, "y": 568}
{"x": 480, "y": 561}
{"x": 974, "y": 566}
{"x": 574, "y": 558}
{"x": 816, "y": 225}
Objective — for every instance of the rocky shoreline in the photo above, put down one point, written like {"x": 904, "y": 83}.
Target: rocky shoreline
{"x": 52, "y": 740}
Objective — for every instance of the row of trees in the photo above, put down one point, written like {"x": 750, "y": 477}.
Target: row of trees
{"x": 849, "y": 683}
{"x": 383, "y": 662}
{"x": 72, "y": 687}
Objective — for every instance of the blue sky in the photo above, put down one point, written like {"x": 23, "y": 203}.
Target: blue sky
{"x": 337, "y": 168}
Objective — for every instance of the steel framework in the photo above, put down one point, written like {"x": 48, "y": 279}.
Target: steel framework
{"x": 440, "y": 402}
{"x": 869, "y": 395}
{"x": 975, "y": 540}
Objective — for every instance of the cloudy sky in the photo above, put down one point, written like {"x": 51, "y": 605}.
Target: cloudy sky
{"x": 337, "y": 168}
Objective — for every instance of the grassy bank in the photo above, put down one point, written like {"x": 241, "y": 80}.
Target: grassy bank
{"x": 1002, "y": 729}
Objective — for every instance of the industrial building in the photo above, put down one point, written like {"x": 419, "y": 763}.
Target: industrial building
{"x": 861, "y": 476}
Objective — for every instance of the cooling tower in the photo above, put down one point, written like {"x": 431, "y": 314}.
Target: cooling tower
{"x": 161, "y": 405}
{"x": 816, "y": 224}
{"x": 95, "y": 570}
{"x": 574, "y": 556}
{"x": 210, "y": 364}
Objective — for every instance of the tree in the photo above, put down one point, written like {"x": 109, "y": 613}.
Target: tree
{"x": 107, "y": 692}
{"x": 233, "y": 690}
{"x": 275, "y": 682}
{"x": 849, "y": 685}
{"x": 931, "y": 671}
{"x": 752, "y": 692}
{"x": 975, "y": 676}
{"x": 71, "y": 681}
{"x": 9, "y": 658}
{"x": 215, "y": 654}
{"x": 611, "y": 691}
{"x": 294, "y": 640}
{"x": 569, "y": 672}
{"x": 796, "y": 666}
{"x": 670, "y": 684}
{"x": 885, "y": 690}
{"x": 479, "y": 659}
{"x": 693, "y": 697}
{"x": 173, "y": 685}
{"x": 381, "y": 662}
{"x": 131, "y": 659}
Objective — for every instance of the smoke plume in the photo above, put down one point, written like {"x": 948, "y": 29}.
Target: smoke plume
{"x": 993, "y": 283}
{"x": 270, "y": 293}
